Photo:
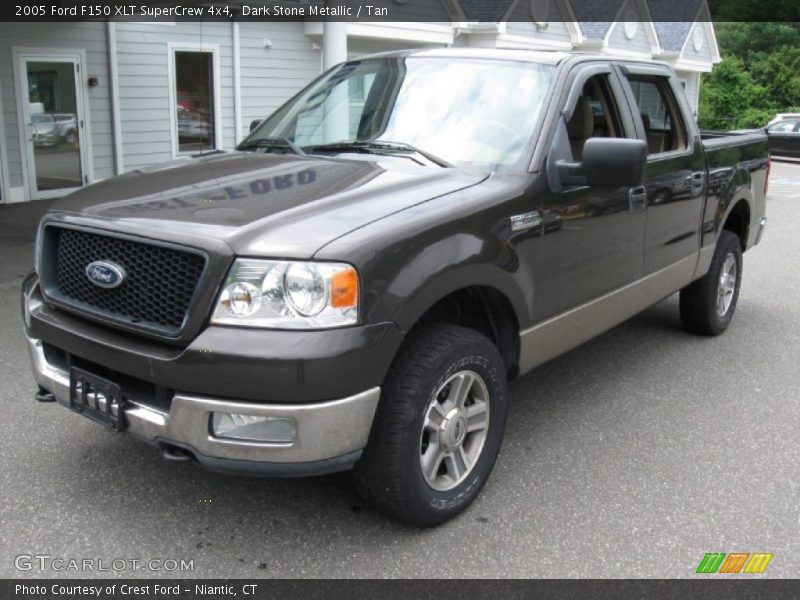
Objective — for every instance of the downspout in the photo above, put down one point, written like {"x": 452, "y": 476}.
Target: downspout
{"x": 113, "y": 78}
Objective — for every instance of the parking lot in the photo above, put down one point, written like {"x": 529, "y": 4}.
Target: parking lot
{"x": 631, "y": 456}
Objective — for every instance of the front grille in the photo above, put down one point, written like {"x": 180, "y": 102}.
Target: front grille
{"x": 156, "y": 294}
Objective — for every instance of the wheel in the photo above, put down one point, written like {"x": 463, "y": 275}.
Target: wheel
{"x": 71, "y": 137}
{"x": 438, "y": 427}
{"x": 707, "y": 305}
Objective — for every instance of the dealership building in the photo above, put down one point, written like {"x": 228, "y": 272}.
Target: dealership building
{"x": 83, "y": 101}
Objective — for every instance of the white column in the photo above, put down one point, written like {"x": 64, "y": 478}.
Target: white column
{"x": 237, "y": 86}
{"x": 334, "y": 51}
{"x": 334, "y": 43}
{"x": 113, "y": 78}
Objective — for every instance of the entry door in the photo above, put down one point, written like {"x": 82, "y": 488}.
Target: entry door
{"x": 51, "y": 110}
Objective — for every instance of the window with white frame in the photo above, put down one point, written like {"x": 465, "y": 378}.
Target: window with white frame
{"x": 194, "y": 96}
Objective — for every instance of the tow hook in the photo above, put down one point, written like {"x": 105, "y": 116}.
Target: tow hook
{"x": 42, "y": 395}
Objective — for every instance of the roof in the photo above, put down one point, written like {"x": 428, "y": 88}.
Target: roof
{"x": 674, "y": 21}
{"x": 485, "y": 10}
{"x": 673, "y": 35}
{"x": 595, "y": 18}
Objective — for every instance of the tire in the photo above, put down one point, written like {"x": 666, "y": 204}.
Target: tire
{"x": 705, "y": 309}
{"x": 71, "y": 137}
{"x": 413, "y": 423}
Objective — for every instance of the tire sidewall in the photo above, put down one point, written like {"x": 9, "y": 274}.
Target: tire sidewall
{"x": 442, "y": 505}
{"x": 729, "y": 246}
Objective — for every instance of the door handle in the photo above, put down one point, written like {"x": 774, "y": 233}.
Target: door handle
{"x": 637, "y": 199}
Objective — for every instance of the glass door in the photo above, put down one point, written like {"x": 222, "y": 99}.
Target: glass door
{"x": 51, "y": 102}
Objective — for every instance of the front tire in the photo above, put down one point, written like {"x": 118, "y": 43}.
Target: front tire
{"x": 707, "y": 305}
{"x": 438, "y": 427}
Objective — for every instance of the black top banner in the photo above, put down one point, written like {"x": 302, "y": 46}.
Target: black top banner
{"x": 540, "y": 12}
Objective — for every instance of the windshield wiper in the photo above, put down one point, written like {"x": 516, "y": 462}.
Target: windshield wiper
{"x": 271, "y": 142}
{"x": 380, "y": 147}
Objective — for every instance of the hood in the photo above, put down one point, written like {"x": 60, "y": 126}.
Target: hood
{"x": 261, "y": 204}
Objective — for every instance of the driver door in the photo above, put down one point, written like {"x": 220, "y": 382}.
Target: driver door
{"x": 594, "y": 236}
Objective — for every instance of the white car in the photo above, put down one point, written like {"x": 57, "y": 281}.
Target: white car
{"x": 782, "y": 116}
{"x": 67, "y": 127}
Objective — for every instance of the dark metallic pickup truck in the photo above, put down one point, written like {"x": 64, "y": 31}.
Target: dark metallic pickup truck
{"x": 356, "y": 284}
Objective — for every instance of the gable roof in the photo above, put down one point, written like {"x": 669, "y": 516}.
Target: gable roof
{"x": 672, "y": 35}
{"x": 674, "y": 21}
{"x": 485, "y": 10}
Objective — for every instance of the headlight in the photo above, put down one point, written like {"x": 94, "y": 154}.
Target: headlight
{"x": 288, "y": 295}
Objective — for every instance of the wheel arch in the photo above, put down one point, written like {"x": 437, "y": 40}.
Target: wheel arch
{"x": 479, "y": 305}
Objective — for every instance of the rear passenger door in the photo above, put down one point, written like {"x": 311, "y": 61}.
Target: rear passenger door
{"x": 675, "y": 178}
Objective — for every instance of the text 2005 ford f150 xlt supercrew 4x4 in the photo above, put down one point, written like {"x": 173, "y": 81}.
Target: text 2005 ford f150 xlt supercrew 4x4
{"x": 356, "y": 283}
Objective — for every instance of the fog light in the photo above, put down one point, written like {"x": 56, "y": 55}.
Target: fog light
{"x": 276, "y": 430}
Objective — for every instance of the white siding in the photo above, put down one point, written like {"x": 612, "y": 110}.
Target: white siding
{"x": 90, "y": 37}
{"x": 143, "y": 65}
{"x": 522, "y": 22}
{"x": 555, "y": 31}
{"x": 617, "y": 40}
{"x": 692, "y": 83}
{"x": 704, "y": 53}
{"x": 270, "y": 76}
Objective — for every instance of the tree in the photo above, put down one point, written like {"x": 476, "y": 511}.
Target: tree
{"x": 758, "y": 76}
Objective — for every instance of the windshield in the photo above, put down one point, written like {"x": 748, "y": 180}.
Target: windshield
{"x": 472, "y": 113}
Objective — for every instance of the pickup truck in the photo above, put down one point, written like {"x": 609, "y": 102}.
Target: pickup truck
{"x": 354, "y": 286}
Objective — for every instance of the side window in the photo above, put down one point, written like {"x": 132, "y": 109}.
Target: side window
{"x": 661, "y": 117}
{"x": 784, "y": 126}
{"x": 595, "y": 115}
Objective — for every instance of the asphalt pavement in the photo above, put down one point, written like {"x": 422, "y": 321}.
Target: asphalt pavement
{"x": 631, "y": 456}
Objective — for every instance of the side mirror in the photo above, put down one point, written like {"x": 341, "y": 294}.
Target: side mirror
{"x": 607, "y": 162}
{"x": 255, "y": 123}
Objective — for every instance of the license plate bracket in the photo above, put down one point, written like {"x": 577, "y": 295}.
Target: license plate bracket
{"x": 96, "y": 398}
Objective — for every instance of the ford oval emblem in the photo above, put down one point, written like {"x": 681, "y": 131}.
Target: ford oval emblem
{"x": 105, "y": 274}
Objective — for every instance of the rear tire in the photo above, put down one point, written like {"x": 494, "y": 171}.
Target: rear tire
{"x": 707, "y": 305}
{"x": 438, "y": 427}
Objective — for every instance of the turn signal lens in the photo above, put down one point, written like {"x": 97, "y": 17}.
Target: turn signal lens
{"x": 344, "y": 289}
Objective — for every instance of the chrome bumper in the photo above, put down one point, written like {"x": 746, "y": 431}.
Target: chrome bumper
{"x": 333, "y": 431}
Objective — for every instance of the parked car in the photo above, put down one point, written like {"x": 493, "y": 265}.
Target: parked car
{"x": 782, "y": 116}
{"x": 310, "y": 303}
{"x": 44, "y": 130}
{"x": 67, "y": 127}
{"x": 784, "y": 137}
{"x": 194, "y": 126}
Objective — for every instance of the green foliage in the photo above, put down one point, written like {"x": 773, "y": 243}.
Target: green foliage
{"x": 758, "y": 76}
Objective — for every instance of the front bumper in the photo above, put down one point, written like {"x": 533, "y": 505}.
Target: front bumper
{"x": 329, "y": 384}
{"x": 330, "y": 435}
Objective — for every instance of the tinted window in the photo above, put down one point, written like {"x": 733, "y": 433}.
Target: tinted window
{"x": 661, "y": 118}
{"x": 784, "y": 126}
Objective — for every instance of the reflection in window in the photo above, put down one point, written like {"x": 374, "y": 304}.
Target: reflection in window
{"x": 194, "y": 94}
{"x": 478, "y": 113}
